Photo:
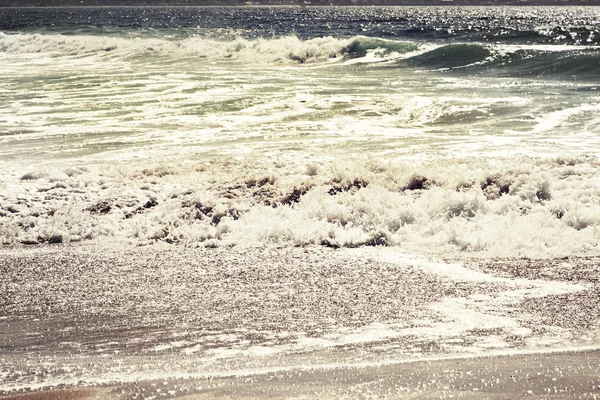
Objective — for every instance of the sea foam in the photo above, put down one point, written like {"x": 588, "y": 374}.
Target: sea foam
{"x": 535, "y": 211}
{"x": 287, "y": 49}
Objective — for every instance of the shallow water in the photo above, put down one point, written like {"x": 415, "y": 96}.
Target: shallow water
{"x": 79, "y": 315}
{"x": 412, "y": 127}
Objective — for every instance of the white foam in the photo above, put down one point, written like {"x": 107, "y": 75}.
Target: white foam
{"x": 552, "y": 120}
{"x": 435, "y": 221}
{"x": 481, "y": 311}
{"x": 210, "y": 125}
{"x": 284, "y": 49}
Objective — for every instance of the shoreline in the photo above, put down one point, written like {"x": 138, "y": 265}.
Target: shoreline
{"x": 293, "y": 323}
{"x": 560, "y": 374}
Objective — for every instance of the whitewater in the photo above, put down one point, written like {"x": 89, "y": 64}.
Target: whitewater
{"x": 160, "y": 151}
{"x": 213, "y": 136}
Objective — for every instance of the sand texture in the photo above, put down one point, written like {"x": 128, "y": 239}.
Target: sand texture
{"x": 569, "y": 375}
{"x": 167, "y": 322}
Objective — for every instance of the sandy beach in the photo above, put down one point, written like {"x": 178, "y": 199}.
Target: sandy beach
{"x": 66, "y": 394}
{"x": 163, "y": 321}
{"x": 561, "y": 375}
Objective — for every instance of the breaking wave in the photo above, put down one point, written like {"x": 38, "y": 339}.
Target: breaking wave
{"x": 542, "y": 208}
{"x": 501, "y": 60}
{"x": 283, "y": 49}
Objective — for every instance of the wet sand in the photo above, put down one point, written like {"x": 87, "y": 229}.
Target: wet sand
{"x": 63, "y": 394}
{"x": 562, "y": 375}
{"x": 309, "y": 323}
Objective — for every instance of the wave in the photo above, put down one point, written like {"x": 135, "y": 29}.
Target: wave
{"x": 569, "y": 35}
{"x": 450, "y": 56}
{"x": 361, "y": 46}
{"x": 276, "y": 50}
{"x": 575, "y": 35}
{"x": 541, "y": 208}
{"x": 515, "y": 25}
{"x": 571, "y": 62}
{"x": 511, "y": 61}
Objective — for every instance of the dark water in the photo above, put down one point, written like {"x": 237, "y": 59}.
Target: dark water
{"x": 534, "y": 41}
{"x": 531, "y": 25}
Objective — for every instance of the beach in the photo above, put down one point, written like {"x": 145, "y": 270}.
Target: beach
{"x": 299, "y": 202}
{"x": 301, "y": 323}
{"x": 560, "y": 375}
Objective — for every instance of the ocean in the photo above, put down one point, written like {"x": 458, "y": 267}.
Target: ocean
{"x": 419, "y": 138}
{"x": 437, "y": 130}
{"x": 462, "y": 130}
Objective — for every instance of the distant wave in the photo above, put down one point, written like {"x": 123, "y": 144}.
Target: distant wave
{"x": 276, "y": 50}
{"x": 566, "y": 35}
{"x": 568, "y": 62}
{"x": 506, "y": 25}
{"x": 571, "y": 62}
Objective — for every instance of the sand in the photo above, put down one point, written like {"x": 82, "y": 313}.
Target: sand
{"x": 224, "y": 323}
{"x": 561, "y": 375}
{"x": 63, "y": 394}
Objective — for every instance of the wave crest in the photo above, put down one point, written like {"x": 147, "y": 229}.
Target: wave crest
{"x": 536, "y": 210}
{"x": 510, "y": 61}
{"x": 288, "y": 49}
{"x": 450, "y": 56}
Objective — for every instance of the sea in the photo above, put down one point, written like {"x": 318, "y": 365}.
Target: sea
{"x": 437, "y": 130}
{"x": 390, "y": 135}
